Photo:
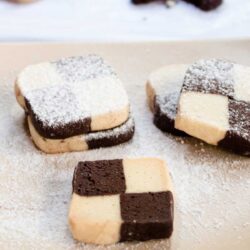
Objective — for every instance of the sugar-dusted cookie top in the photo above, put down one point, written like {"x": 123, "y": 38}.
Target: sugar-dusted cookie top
{"x": 72, "y": 96}
{"x": 211, "y": 77}
{"x": 216, "y": 76}
{"x": 214, "y": 104}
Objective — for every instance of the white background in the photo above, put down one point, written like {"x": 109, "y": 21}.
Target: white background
{"x": 119, "y": 20}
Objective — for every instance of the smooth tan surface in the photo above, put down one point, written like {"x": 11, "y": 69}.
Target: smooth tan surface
{"x": 96, "y": 219}
{"x": 212, "y": 186}
{"x": 146, "y": 175}
{"x": 204, "y": 116}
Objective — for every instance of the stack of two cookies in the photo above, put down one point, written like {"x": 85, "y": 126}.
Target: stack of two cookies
{"x": 74, "y": 104}
{"x": 78, "y": 103}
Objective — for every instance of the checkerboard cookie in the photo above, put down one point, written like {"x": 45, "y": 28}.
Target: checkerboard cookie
{"x": 211, "y": 101}
{"x": 121, "y": 200}
{"x": 214, "y": 104}
{"x": 71, "y": 97}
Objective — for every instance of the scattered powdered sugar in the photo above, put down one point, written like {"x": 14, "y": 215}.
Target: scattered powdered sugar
{"x": 88, "y": 87}
{"x": 212, "y": 187}
{"x": 210, "y": 76}
{"x": 124, "y": 128}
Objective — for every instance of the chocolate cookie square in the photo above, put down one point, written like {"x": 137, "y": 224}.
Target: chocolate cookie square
{"x": 146, "y": 216}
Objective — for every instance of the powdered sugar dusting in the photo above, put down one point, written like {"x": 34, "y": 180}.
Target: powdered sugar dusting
{"x": 213, "y": 76}
{"x": 56, "y": 106}
{"x": 167, "y": 83}
{"x": 79, "y": 68}
{"x": 224, "y": 78}
{"x": 212, "y": 187}
{"x": 116, "y": 132}
{"x": 239, "y": 118}
{"x": 88, "y": 87}
{"x": 168, "y": 103}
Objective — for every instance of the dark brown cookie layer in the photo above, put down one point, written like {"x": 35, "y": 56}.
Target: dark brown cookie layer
{"x": 206, "y": 4}
{"x": 58, "y": 132}
{"x": 164, "y": 114}
{"x": 112, "y": 140}
{"x": 210, "y": 77}
{"x": 106, "y": 138}
{"x": 237, "y": 138}
{"x": 103, "y": 177}
{"x": 146, "y": 216}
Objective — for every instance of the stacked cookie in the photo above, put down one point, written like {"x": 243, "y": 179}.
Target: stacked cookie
{"x": 121, "y": 200}
{"x": 74, "y": 104}
{"x": 209, "y": 99}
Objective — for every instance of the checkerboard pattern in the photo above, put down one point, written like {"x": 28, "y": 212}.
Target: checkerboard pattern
{"x": 63, "y": 97}
{"x": 214, "y": 104}
{"x": 121, "y": 200}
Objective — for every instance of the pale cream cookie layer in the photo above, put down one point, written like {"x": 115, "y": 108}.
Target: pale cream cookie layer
{"x": 204, "y": 116}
